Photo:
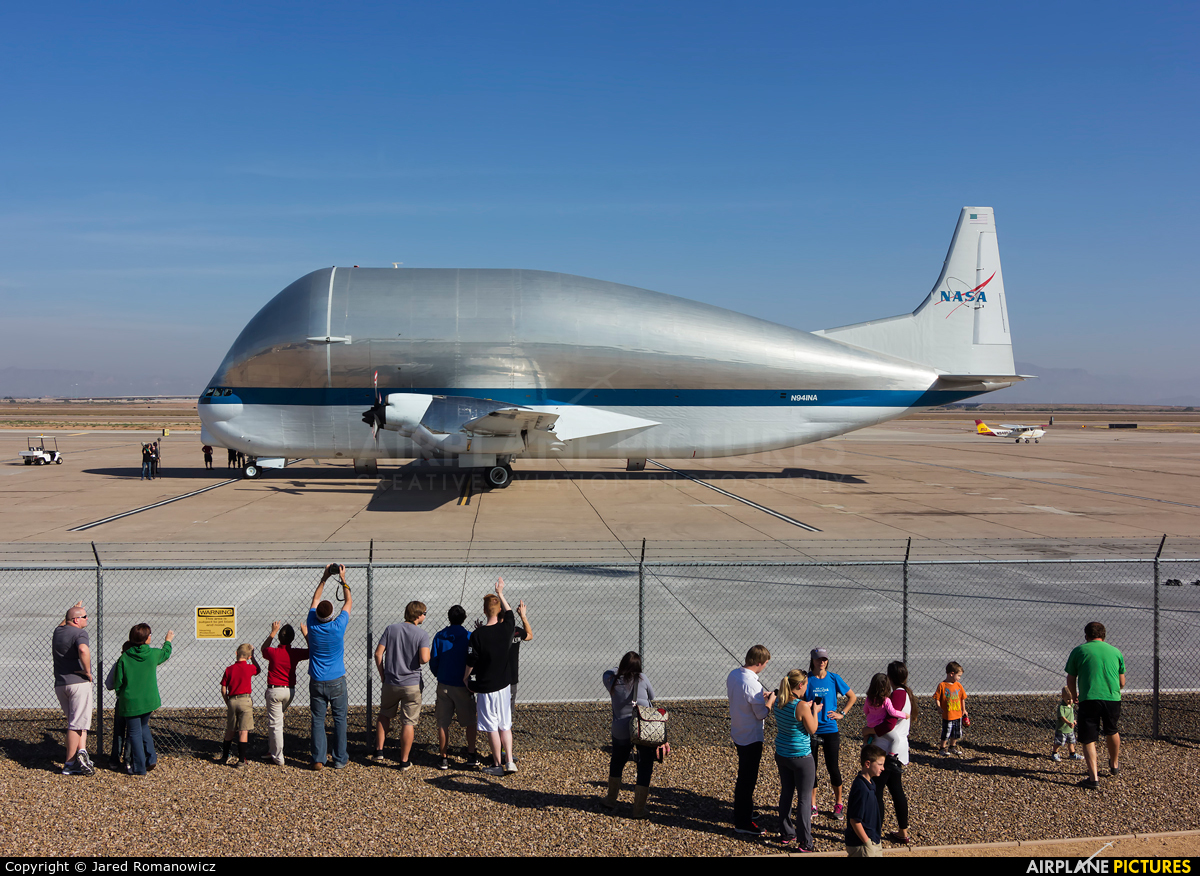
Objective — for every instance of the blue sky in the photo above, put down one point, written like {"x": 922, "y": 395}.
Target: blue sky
{"x": 165, "y": 170}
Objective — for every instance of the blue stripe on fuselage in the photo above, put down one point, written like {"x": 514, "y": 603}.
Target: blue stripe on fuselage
{"x": 731, "y": 398}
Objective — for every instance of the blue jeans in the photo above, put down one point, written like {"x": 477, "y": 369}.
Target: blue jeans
{"x": 146, "y": 471}
{"x": 140, "y": 753}
{"x": 329, "y": 695}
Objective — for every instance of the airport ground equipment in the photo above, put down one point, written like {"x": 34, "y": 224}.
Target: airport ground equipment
{"x": 39, "y": 454}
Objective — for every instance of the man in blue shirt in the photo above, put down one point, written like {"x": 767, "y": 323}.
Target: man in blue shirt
{"x": 448, "y": 660}
{"x": 327, "y": 670}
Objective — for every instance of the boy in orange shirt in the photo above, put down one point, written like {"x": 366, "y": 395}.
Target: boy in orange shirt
{"x": 951, "y": 698}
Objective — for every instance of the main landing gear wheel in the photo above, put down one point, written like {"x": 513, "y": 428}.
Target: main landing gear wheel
{"x": 499, "y": 476}
{"x": 252, "y": 471}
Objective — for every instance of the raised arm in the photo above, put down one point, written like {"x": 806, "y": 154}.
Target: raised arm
{"x": 528, "y": 637}
{"x": 275, "y": 625}
{"x": 504, "y": 606}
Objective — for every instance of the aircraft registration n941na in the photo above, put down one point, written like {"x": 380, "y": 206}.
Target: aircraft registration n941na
{"x": 1012, "y": 430}
{"x": 476, "y": 368}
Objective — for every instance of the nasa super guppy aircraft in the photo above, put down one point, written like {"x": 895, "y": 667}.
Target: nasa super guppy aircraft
{"x": 476, "y": 368}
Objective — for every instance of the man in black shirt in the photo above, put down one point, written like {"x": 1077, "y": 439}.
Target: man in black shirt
{"x": 487, "y": 660}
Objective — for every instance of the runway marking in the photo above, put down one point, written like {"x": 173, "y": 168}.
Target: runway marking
{"x": 464, "y": 498}
{"x": 1024, "y": 480}
{"x": 764, "y": 508}
{"x": 148, "y": 507}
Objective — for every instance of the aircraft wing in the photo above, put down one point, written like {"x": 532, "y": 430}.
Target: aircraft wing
{"x": 511, "y": 421}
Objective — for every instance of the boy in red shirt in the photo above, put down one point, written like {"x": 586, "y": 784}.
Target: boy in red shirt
{"x": 239, "y": 708}
{"x": 951, "y": 698}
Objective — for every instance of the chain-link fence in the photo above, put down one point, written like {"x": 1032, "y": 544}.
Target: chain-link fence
{"x": 1010, "y": 624}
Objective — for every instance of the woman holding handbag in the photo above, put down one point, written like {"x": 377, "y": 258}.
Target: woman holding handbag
{"x": 630, "y": 692}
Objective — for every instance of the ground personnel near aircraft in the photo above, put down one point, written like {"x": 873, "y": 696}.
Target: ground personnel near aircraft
{"x": 403, "y": 649}
{"x": 487, "y": 660}
{"x": 73, "y": 686}
{"x": 1096, "y": 677}
{"x": 327, "y": 670}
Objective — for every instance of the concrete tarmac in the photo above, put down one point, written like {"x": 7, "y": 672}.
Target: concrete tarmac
{"x": 929, "y": 480}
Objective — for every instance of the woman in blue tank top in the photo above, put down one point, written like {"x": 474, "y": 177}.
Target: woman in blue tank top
{"x": 795, "y": 722}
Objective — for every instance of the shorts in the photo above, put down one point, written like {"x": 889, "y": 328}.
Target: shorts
{"x": 494, "y": 711}
{"x": 1094, "y": 716}
{"x": 1063, "y": 738}
{"x": 402, "y": 698}
{"x": 239, "y": 714}
{"x": 76, "y": 702}
{"x": 451, "y": 701}
{"x": 951, "y": 729}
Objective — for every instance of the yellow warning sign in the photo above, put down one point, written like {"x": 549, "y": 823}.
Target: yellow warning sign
{"x": 216, "y": 621}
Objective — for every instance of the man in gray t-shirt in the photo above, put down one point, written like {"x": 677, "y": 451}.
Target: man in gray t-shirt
{"x": 73, "y": 686}
{"x": 403, "y": 649}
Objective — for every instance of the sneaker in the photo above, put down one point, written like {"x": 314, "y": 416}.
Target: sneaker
{"x": 85, "y": 760}
{"x": 71, "y": 768}
{"x": 1089, "y": 783}
{"x": 510, "y": 768}
{"x": 240, "y": 765}
{"x": 815, "y": 813}
{"x": 231, "y": 760}
{"x": 472, "y": 759}
{"x": 1056, "y": 757}
{"x": 444, "y": 764}
{"x": 377, "y": 757}
{"x": 752, "y": 830}
{"x": 494, "y": 771}
{"x": 1112, "y": 771}
{"x": 405, "y": 766}
{"x": 839, "y": 812}
{"x": 341, "y": 766}
{"x": 1077, "y": 756}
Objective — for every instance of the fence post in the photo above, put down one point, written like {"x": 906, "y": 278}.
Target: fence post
{"x": 1154, "y": 699}
{"x": 904, "y": 620}
{"x": 642, "y": 604}
{"x": 99, "y": 749}
{"x": 370, "y": 636}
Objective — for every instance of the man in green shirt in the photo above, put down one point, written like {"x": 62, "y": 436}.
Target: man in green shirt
{"x": 1095, "y": 677}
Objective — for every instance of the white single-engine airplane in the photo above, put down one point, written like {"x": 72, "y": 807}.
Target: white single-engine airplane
{"x": 474, "y": 368}
{"x": 1015, "y": 431}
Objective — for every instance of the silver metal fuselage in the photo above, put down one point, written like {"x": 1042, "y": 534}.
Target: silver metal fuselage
{"x": 717, "y": 383}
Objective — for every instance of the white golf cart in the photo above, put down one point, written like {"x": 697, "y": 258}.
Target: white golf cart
{"x": 39, "y": 454}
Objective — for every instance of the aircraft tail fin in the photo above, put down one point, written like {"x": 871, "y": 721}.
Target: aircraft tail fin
{"x": 961, "y": 327}
{"x": 982, "y": 428}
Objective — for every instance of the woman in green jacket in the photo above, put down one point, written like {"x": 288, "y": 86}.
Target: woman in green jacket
{"x": 136, "y": 683}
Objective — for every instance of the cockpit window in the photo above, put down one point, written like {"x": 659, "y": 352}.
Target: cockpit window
{"x": 217, "y": 392}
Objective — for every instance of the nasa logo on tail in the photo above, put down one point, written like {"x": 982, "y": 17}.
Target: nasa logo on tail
{"x": 976, "y": 295}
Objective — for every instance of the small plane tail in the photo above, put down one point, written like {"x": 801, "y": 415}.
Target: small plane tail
{"x": 982, "y": 428}
{"x": 960, "y": 328}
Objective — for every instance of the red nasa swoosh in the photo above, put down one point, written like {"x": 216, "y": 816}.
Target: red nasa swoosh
{"x": 976, "y": 289}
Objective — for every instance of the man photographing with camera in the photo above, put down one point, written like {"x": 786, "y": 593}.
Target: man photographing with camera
{"x": 327, "y": 669}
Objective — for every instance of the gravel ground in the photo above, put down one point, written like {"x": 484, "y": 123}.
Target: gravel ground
{"x": 1005, "y": 788}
